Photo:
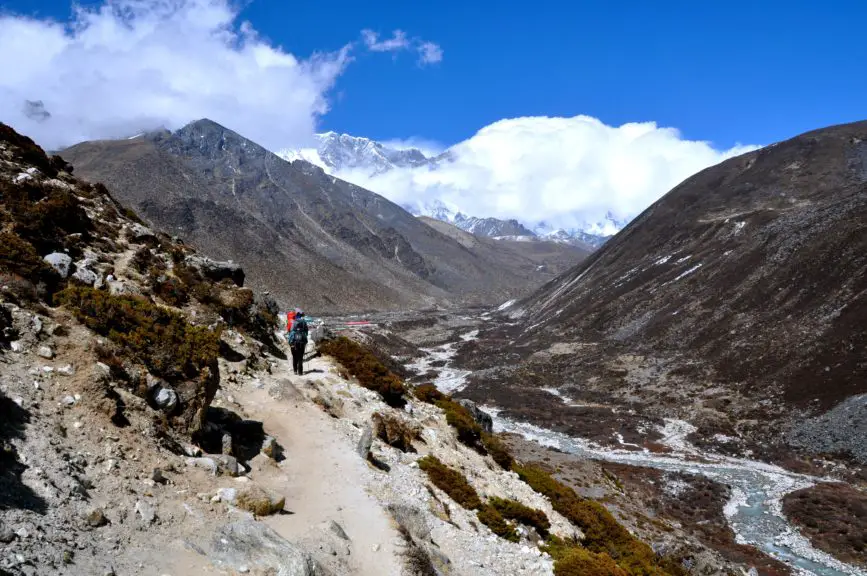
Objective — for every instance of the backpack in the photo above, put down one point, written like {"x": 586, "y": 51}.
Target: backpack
{"x": 295, "y": 336}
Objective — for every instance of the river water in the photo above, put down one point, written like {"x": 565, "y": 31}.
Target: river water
{"x": 754, "y": 511}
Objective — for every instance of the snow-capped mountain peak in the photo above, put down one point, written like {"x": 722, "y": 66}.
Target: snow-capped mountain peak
{"x": 342, "y": 152}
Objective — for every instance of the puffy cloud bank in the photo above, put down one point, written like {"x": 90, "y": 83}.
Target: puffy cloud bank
{"x": 130, "y": 65}
{"x": 569, "y": 172}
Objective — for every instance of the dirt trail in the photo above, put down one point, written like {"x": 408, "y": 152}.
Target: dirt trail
{"x": 322, "y": 477}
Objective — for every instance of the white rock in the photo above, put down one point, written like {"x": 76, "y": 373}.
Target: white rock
{"x": 166, "y": 398}
{"x": 78, "y": 425}
{"x": 228, "y": 495}
{"x": 48, "y": 369}
{"x": 46, "y": 352}
{"x": 85, "y": 276}
{"x": 37, "y": 324}
{"x": 68, "y": 400}
{"x": 67, "y": 370}
{"x": 60, "y": 262}
{"x": 17, "y": 346}
{"x": 146, "y": 511}
{"x": 208, "y": 464}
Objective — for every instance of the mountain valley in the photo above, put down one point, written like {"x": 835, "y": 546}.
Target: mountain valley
{"x": 309, "y": 238}
{"x": 687, "y": 399}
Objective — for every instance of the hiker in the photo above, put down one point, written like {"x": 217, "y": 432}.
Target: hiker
{"x": 298, "y": 342}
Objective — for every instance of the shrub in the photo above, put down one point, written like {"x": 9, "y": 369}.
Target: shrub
{"x": 428, "y": 393}
{"x": 395, "y": 431}
{"x": 580, "y": 562}
{"x": 45, "y": 216}
{"x": 602, "y": 533}
{"x": 451, "y": 482}
{"x": 170, "y": 289}
{"x": 459, "y": 418}
{"x": 20, "y": 258}
{"x": 522, "y": 514}
{"x": 142, "y": 259}
{"x": 498, "y": 451}
{"x": 493, "y": 519}
{"x": 160, "y": 339}
{"x": 366, "y": 368}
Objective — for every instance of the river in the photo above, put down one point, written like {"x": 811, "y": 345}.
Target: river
{"x": 754, "y": 511}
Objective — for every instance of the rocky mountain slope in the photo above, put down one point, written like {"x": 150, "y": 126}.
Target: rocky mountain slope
{"x": 736, "y": 302}
{"x": 312, "y": 239}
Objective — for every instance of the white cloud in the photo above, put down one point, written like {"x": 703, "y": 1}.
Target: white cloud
{"x": 427, "y": 146}
{"x": 570, "y": 172}
{"x": 130, "y": 65}
{"x": 397, "y": 42}
{"x": 428, "y": 52}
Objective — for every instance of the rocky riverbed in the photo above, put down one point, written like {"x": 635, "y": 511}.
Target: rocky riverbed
{"x": 761, "y": 536}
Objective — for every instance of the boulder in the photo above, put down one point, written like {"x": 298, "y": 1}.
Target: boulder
{"x": 166, "y": 399}
{"x": 227, "y": 465}
{"x": 122, "y": 288}
{"x": 45, "y": 352}
{"x": 60, "y": 262}
{"x": 85, "y": 276}
{"x": 259, "y": 501}
{"x": 139, "y": 233}
{"x": 271, "y": 448}
{"x": 96, "y": 518}
{"x": 365, "y": 442}
{"x": 481, "y": 417}
{"x": 250, "y": 543}
{"x": 216, "y": 270}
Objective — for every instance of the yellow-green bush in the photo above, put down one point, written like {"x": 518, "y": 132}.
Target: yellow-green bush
{"x": 493, "y": 519}
{"x": 459, "y": 418}
{"x": 428, "y": 393}
{"x": 522, "y": 514}
{"x": 498, "y": 451}
{"x": 451, "y": 482}
{"x": 366, "y": 368}
{"x": 162, "y": 340}
{"x": 577, "y": 561}
{"x": 602, "y": 533}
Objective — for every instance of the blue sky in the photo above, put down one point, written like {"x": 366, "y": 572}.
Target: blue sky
{"x": 726, "y": 72}
{"x": 562, "y": 112}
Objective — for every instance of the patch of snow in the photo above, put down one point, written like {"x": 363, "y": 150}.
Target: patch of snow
{"x": 684, "y": 259}
{"x": 506, "y": 305}
{"x": 663, "y": 260}
{"x": 688, "y": 272}
{"x": 739, "y": 226}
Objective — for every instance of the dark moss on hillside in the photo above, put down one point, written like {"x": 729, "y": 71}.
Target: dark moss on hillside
{"x": 364, "y": 366}
{"x": 833, "y": 517}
